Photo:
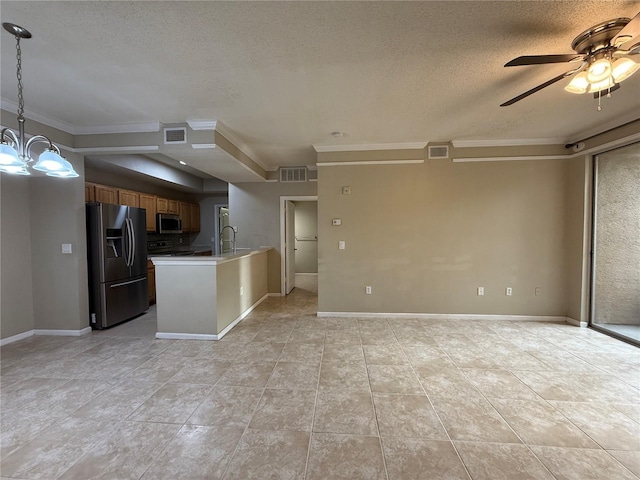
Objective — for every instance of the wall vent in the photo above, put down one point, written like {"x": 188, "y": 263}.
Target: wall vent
{"x": 293, "y": 174}
{"x": 175, "y": 135}
{"x": 438, "y": 151}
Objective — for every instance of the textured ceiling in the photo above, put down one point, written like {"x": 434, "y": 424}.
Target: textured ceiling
{"x": 284, "y": 75}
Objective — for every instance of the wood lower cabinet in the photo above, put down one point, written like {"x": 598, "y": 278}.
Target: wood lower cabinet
{"x": 148, "y": 202}
{"x": 151, "y": 278}
{"x": 128, "y": 198}
{"x": 106, "y": 194}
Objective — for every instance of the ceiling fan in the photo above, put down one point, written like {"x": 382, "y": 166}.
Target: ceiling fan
{"x": 607, "y": 55}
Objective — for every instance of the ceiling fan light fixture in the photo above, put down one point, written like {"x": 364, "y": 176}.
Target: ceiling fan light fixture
{"x": 605, "y": 84}
{"x": 599, "y": 70}
{"x": 579, "y": 84}
{"x": 623, "y": 68}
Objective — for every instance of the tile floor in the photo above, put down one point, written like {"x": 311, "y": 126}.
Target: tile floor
{"x": 288, "y": 395}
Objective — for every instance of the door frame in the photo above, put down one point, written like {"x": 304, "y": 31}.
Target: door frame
{"x": 283, "y": 199}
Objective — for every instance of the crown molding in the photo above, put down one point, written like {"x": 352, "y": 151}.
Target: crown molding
{"x": 369, "y": 162}
{"x": 508, "y": 142}
{"x": 141, "y": 127}
{"x": 202, "y": 124}
{"x": 605, "y": 127}
{"x": 36, "y": 117}
{"x": 510, "y": 159}
{"x": 134, "y": 148}
{"x": 243, "y": 147}
{"x": 365, "y": 147}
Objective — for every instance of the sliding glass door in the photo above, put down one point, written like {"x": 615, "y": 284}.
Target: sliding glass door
{"x": 615, "y": 304}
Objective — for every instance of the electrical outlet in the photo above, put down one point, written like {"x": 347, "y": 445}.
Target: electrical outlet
{"x": 346, "y": 190}
{"x": 342, "y": 245}
{"x": 367, "y": 289}
{"x": 508, "y": 291}
{"x": 480, "y": 291}
{"x": 538, "y": 291}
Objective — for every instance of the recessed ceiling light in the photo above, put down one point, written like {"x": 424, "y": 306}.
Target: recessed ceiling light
{"x": 182, "y": 163}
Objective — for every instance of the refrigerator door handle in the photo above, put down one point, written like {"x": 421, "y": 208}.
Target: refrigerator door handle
{"x": 128, "y": 231}
{"x": 133, "y": 243}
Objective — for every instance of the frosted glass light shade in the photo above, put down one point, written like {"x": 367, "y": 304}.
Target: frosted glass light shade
{"x": 579, "y": 84}
{"x": 15, "y": 169}
{"x": 66, "y": 172}
{"x": 9, "y": 155}
{"x": 49, "y": 161}
{"x": 599, "y": 70}
{"x": 623, "y": 68}
{"x": 602, "y": 85}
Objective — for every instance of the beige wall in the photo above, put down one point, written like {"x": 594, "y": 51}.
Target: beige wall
{"x": 41, "y": 287}
{"x": 425, "y": 236}
{"x": 16, "y": 307}
{"x": 255, "y": 209}
{"x": 59, "y": 280}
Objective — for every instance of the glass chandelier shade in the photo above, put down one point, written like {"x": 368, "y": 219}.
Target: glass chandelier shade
{"x": 15, "y": 149}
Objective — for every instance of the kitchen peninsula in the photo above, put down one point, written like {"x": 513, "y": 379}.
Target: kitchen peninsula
{"x": 202, "y": 298}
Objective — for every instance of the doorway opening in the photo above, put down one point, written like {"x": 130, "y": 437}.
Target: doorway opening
{"x": 615, "y": 268}
{"x": 299, "y": 244}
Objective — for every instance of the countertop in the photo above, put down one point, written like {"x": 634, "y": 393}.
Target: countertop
{"x": 186, "y": 260}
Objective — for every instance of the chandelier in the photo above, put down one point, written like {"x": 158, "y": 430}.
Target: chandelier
{"x": 15, "y": 149}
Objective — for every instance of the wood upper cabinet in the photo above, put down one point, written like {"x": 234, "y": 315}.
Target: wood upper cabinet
{"x": 106, "y": 194}
{"x": 89, "y": 192}
{"x": 128, "y": 198}
{"x": 174, "y": 207}
{"x": 167, "y": 205}
{"x": 185, "y": 215}
{"x": 195, "y": 217}
{"x": 162, "y": 205}
{"x": 148, "y": 202}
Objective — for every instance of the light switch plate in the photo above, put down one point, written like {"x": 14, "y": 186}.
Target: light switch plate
{"x": 66, "y": 248}
{"x": 342, "y": 245}
{"x": 336, "y": 222}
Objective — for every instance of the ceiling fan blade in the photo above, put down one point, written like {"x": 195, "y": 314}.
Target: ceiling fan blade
{"x": 543, "y": 59}
{"x": 628, "y": 33}
{"x": 539, "y": 87}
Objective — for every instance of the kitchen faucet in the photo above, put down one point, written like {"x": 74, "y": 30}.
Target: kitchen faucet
{"x": 233, "y": 242}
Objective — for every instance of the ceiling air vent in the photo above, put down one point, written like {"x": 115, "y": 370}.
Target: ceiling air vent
{"x": 293, "y": 174}
{"x": 439, "y": 151}
{"x": 175, "y": 135}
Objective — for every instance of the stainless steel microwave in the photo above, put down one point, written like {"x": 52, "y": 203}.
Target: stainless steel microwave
{"x": 166, "y": 223}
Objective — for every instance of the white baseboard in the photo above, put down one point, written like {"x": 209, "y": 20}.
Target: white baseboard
{"x": 64, "y": 333}
{"x": 185, "y": 336}
{"x": 15, "y": 338}
{"x": 449, "y": 316}
{"x": 275, "y": 294}
{"x": 203, "y": 336}
{"x": 577, "y": 323}
{"x": 307, "y": 274}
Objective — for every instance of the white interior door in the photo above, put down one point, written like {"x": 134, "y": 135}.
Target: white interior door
{"x": 289, "y": 245}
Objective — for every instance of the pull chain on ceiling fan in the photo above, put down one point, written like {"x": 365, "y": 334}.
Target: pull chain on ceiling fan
{"x": 608, "y": 53}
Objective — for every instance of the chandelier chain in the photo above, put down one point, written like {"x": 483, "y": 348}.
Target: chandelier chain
{"x": 19, "y": 75}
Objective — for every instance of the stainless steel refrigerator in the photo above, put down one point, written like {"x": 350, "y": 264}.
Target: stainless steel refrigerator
{"x": 117, "y": 254}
